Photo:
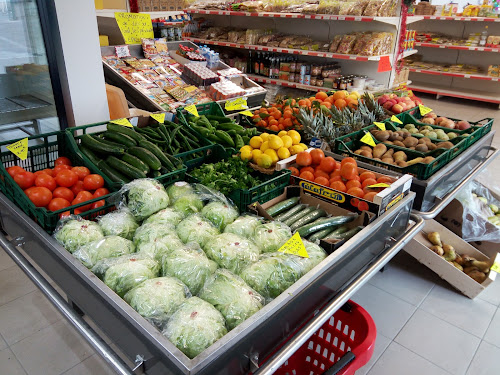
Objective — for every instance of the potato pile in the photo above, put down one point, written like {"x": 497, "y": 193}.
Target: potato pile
{"x": 472, "y": 267}
{"x": 429, "y": 132}
{"x": 390, "y": 156}
{"x": 403, "y": 138}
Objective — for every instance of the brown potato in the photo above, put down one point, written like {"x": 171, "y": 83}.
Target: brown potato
{"x": 427, "y": 140}
{"x": 393, "y": 136}
{"x": 431, "y": 146}
{"x": 415, "y": 161}
{"x": 399, "y": 143}
{"x": 428, "y": 159}
{"x": 365, "y": 153}
{"x": 446, "y": 144}
{"x": 422, "y": 141}
{"x": 410, "y": 142}
{"x": 367, "y": 148}
{"x": 400, "y": 139}
{"x": 382, "y": 135}
{"x": 388, "y": 160}
{"x": 402, "y": 164}
{"x": 400, "y": 156}
{"x": 378, "y": 159}
{"x": 379, "y": 150}
{"x": 388, "y": 142}
{"x": 357, "y": 152}
{"x": 388, "y": 154}
{"x": 412, "y": 148}
{"x": 421, "y": 148}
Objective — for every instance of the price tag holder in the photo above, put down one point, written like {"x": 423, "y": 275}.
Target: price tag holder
{"x": 192, "y": 109}
{"x": 19, "y": 148}
{"x": 122, "y": 122}
{"x": 424, "y": 110}
{"x": 496, "y": 267}
{"x": 368, "y": 139}
{"x": 381, "y": 185}
{"x": 236, "y": 104}
{"x": 379, "y": 125}
{"x": 160, "y": 117}
{"x": 294, "y": 246}
{"x": 395, "y": 119}
{"x": 246, "y": 113}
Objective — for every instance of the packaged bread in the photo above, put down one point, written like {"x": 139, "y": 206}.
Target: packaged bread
{"x": 357, "y": 7}
{"x": 335, "y": 43}
{"x": 347, "y": 43}
{"x": 328, "y": 7}
{"x": 364, "y": 45}
{"x": 372, "y": 8}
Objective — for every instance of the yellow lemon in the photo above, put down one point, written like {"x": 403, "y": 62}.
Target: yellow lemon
{"x": 264, "y": 146}
{"x": 247, "y": 147}
{"x": 264, "y": 136}
{"x": 275, "y": 142}
{"x": 294, "y": 134}
{"x": 246, "y": 155}
{"x": 304, "y": 146}
{"x": 264, "y": 161}
{"x": 287, "y": 141}
{"x": 273, "y": 155}
{"x": 282, "y": 133}
{"x": 256, "y": 154}
{"x": 356, "y": 93}
{"x": 256, "y": 142}
{"x": 295, "y": 149}
{"x": 283, "y": 153}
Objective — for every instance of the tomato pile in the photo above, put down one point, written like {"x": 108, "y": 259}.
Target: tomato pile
{"x": 61, "y": 187}
{"x": 342, "y": 176}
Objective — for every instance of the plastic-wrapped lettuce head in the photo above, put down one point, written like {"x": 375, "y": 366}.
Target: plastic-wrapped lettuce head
{"x": 232, "y": 251}
{"x": 195, "y": 326}
{"x": 316, "y": 255}
{"x": 75, "y": 233}
{"x": 152, "y": 231}
{"x": 107, "y": 247}
{"x": 188, "y": 204}
{"x": 195, "y": 228}
{"x": 103, "y": 265}
{"x": 271, "y": 236}
{"x": 119, "y": 223}
{"x": 157, "y": 299}
{"x": 244, "y": 226}
{"x": 189, "y": 265}
{"x": 145, "y": 197}
{"x": 178, "y": 189}
{"x": 160, "y": 247}
{"x": 220, "y": 213}
{"x": 125, "y": 276}
{"x": 273, "y": 273}
{"x": 167, "y": 216}
{"x": 231, "y": 296}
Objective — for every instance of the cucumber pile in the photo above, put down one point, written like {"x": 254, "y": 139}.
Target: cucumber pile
{"x": 124, "y": 154}
{"x": 312, "y": 222}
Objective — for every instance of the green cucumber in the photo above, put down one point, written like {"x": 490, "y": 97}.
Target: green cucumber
{"x": 158, "y": 153}
{"x": 113, "y": 175}
{"x": 308, "y": 229}
{"x": 146, "y": 156}
{"x": 106, "y": 141}
{"x": 100, "y": 147}
{"x": 292, "y": 219}
{"x": 320, "y": 234}
{"x": 124, "y": 168}
{"x": 282, "y": 206}
{"x": 310, "y": 217}
{"x": 134, "y": 161}
{"x": 346, "y": 235}
{"x": 120, "y": 138}
{"x": 292, "y": 211}
{"x": 125, "y": 130}
{"x": 340, "y": 230}
{"x": 155, "y": 174}
{"x": 90, "y": 155}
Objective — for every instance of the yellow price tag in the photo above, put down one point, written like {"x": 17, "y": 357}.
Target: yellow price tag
{"x": 122, "y": 122}
{"x": 294, "y": 246}
{"x": 379, "y": 185}
{"x": 190, "y": 88}
{"x": 379, "y": 125}
{"x": 236, "y": 104}
{"x": 192, "y": 109}
{"x": 160, "y": 117}
{"x": 424, "y": 110}
{"x": 368, "y": 139}
{"x": 247, "y": 113}
{"x": 134, "y": 26}
{"x": 395, "y": 119}
{"x": 19, "y": 148}
{"x": 495, "y": 267}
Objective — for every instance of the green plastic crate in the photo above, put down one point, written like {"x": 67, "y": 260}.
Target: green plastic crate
{"x": 212, "y": 108}
{"x": 43, "y": 150}
{"x": 74, "y": 135}
{"x": 246, "y": 122}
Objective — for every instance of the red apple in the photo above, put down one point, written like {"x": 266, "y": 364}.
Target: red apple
{"x": 387, "y": 105}
{"x": 397, "y": 108}
{"x": 462, "y": 125}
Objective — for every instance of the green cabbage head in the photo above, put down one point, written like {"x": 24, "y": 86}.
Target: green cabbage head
{"x": 220, "y": 214}
{"x": 146, "y": 197}
{"x": 188, "y": 204}
{"x": 76, "y": 233}
{"x": 269, "y": 237}
{"x": 244, "y": 226}
{"x": 197, "y": 229}
{"x": 232, "y": 251}
{"x": 151, "y": 232}
{"x": 160, "y": 247}
{"x": 125, "y": 276}
{"x": 103, "y": 265}
{"x": 107, "y": 247}
{"x": 178, "y": 189}
{"x": 119, "y": 223}
{"x": 167, "y": 216}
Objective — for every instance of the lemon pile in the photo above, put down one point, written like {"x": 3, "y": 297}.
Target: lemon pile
{"x": 266, "y": 150}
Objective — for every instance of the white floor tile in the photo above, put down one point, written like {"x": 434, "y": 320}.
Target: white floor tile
{"x": 9, "y": 365}
{"x": 485, "y": 361}
{"x": 5, "y": 260}
{"x": 493, "y": 333}
{"x": 381, "y": 344}
{"x": 492, "y": 293}
{"x": 389, "y": 312}
{"x": 398, "y": 360}
{"x": 439, "y": 342}
{"x": 52, "y": 350}
{"x": 14, "y": 284}
{"x": 25, "y": 316}
{"x": 457, "y": 309}
{"x": 93, "y": 365}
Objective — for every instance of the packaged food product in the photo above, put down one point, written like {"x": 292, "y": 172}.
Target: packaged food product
{"x": 328, "y": 7}
{"x": 335, "y": 43}
{"x": 347, "y": 43}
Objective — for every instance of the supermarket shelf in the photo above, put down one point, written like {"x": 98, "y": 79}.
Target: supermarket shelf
{"x": 284, "y": 83}
{"x": 327, "y": 17}
{"x": 287, "y": 50}
{"x": 452, "y": 46}
{"x": 155, "y": 15}
{"x": 412, "y": 19}
{"x": 408, "y": 53}
{"x": 109, "y": 13}
{"x": 460, "y": 75}
{"x": 455, "y": 92}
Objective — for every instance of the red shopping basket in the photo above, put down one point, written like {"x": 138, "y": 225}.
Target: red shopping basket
{"x": 346, "y": 340}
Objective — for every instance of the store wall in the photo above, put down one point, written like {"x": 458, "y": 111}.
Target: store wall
{"x": 82, "y": 57}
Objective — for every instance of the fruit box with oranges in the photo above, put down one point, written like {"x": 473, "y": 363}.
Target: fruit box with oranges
{"x": 371, "y": 191}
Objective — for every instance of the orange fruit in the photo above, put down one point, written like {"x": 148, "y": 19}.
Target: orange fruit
{"x": 352, "y": 184}
{"x": 368, "y": 182}
{"x": 340, "y": 103}
{"x": 274, "y": 128}
{"x": 363, "y": 176}
{"x": 321, "y": 95}
{"x": 288, "y": 122}
{"x": 330, "y": 100}
{"x": 322, "y": 181}
{"x": 327, "y": 104}
{"x": 356, "y": 191}
{"x": 302, "y": 102}
{"x": 307, "y": 176}
{"x": 338, "y": 185}
{"x": 288, "y": 114}
{"x": 295, "y": 171}
{"x": 369, "y": 196}
{"x": 353, "y": 104}
{"x": 339, "y": 95}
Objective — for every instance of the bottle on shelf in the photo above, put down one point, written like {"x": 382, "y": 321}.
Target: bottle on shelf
{"x": 484, "y": 37}
{"x": 249, "y": 63}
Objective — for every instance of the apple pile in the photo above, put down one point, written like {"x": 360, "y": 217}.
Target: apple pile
{"x": 432, "y": 119}
{"x": 397, "y": 104}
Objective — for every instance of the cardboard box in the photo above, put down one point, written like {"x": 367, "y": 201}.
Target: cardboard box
{"x": 144, "y": 5}
{"x": 114, "y": 4}
{"x": 419, "y": 249}
{"x": 294, "y": 191}
{"x": 155, "y": 5}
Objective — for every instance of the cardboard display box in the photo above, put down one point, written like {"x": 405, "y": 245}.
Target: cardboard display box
{"x": 419, "y": 249}
{"x": 293, "y": 191}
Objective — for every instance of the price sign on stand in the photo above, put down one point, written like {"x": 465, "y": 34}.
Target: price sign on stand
{"x": 246, "y": 113}
{"x": 192, "y": 109}
{"x": 236, "y": 104}
{"x": 19, "y": 148}
{"x": 134, "y": 26}
{"x": 294, "y": 246}
{"x": 495, "y": 267}
{"x": 160, "y": 117}
{"x": 395, "y": 119}
{"x": 122, "y": 122}
{"x": 424, "y": 110}
{"x": 381, "y": 185}
{"x": 379, "y": 125}
{"x": 368, "y": 139}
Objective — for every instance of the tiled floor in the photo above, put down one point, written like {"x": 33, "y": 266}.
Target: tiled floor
{"x": 424, "y": 326}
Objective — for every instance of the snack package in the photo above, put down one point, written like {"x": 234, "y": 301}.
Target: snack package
{"x": 148, "y": 47}
{"x": 357, "y": 7}
{"x": 335, "y": 43}
{"x": 347, "y": 43}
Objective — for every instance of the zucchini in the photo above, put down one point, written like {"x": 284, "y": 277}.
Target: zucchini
{"x": 292, "y": 211}
{"x": 125, "y": 168}
{"x": 120, "y": 138}
{"x": 346, "y": 235}
{"x": 99, "y": 146}
{"x": 90, "y": 155}
{"x": 125, "y": 130}
{"x": 113, "y": 175}
{"x": 134, "y": 161}
{"x": 146, "y": 156}
{"x": 282, "y": 206}
{"x": 310, "y": 217}
{"x": 292, "y": 219}
{"x": 308, "y": 229}
{"x": 155, "y": 150}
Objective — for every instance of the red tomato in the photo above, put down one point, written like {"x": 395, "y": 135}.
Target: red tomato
{"x": 295, "y": 171}
{"x": 57, "y": 204}
{"x": 24, "y": 179}
{"x": 352, "y": 183}
{"x": 307, "y": 176}
{"x": 81, "y": 197}
{"x": 384, "y": 180}
{"x": 307, "y": 169}
{"x": 100, "y": 192}
{"x": 29, "y": 190}
{"x": 369, "y": 196}
{"x": 349, "y": 160}
{"x": 46, "y": 181}
{"x": 368, "y": 182}
{"x": 322, "y": 181}
{"x": 40, "y": 196}
{"x": 47, "y": 171}
{"x": 349, "y": 171}
{"x": 97, "y": 204}
{"x": 365, "y": 175}
{"x": 317, "y": 155}
{"x": 64, "y": 214}
{"x": 59, "y": 168}
{"x": 63, "y": 160}
{"x": 78, "y": 187}
{"x": 327, "y": 164}
{"x": 15, "y": 170}
{"x": 63, "y": 192}
{"x": 356, "y": 191}
{"x": 66, "y": 178}
{"x": 93, "y": 182}
{"x": 304, "y": 159}
{"x": 338, "y": 185}
{"x": 81, "y": 172}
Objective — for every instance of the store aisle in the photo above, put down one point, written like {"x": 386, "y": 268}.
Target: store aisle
{"x": 424, "y": 326}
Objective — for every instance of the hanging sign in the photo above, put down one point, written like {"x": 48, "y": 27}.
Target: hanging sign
{"x": 236, "y": 104}
{"x": 134, "y": 26}
{"x": 19, "y": 148}
{"x": 384, "y": 64}
{"x": 294, "y": 246}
